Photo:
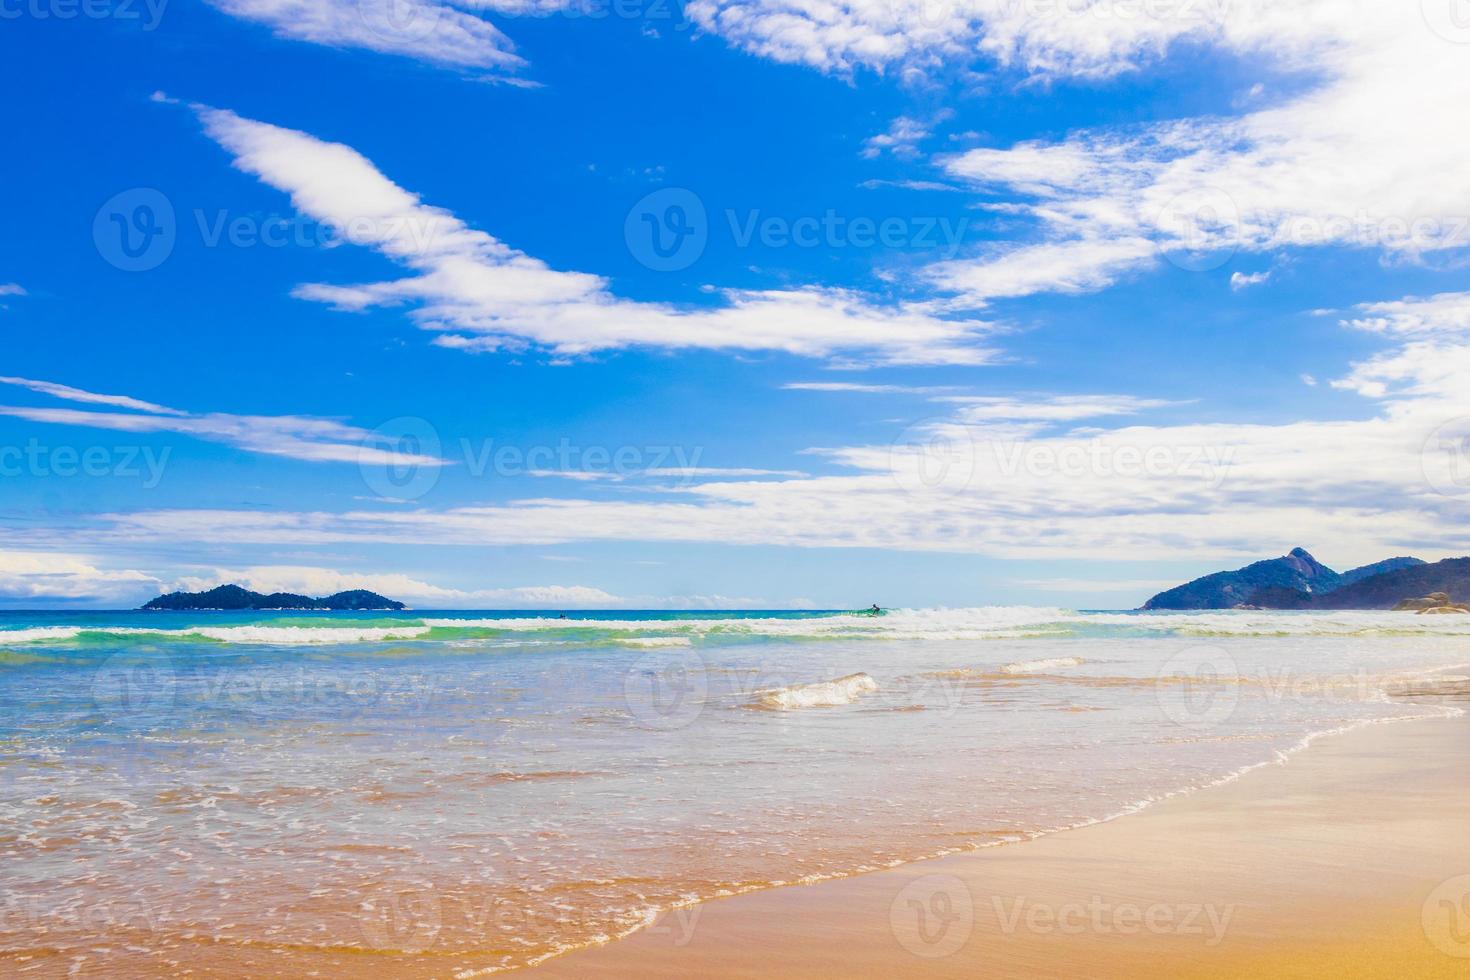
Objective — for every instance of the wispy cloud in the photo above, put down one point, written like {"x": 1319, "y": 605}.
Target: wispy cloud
{"x": 869, "y": 389}
{"x": 1299, "y": 174}
{"x": 479, "y": 294}
{"x": 292, "y": 436}
{"x": 902, "y": 137}
{"x": 1060, "y": 477}
{"x": 439, "y": 33}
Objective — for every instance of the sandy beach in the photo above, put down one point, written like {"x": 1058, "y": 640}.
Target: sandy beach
{"x": 1347, "y": 860}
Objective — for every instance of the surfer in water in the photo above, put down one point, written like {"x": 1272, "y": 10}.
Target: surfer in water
{"x": 875, "y": 611}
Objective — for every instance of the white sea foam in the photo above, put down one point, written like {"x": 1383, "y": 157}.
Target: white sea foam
{"x": 1041, "y": 666}
{"x": 1278, "y": 623}
{"x": 294, "y": 635}
{"x": 986, "y": 622}
{"x": 654, "y": 641}
{"x": 39, "y": 633}
{"x": 823, "y": 694}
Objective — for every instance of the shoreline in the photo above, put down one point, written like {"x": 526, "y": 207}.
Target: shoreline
{"x": 1018, "y": 922}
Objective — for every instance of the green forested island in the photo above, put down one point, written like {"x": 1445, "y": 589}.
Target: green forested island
{"x": 232, "y": 597}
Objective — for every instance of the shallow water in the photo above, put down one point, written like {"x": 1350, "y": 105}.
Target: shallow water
{"x": 494, "y": 788}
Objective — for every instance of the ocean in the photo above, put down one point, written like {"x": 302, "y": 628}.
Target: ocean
{"x": 487, "y": 789}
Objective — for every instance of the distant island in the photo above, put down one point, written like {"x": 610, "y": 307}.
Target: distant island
{"x": 1298, "y": 581}
{"x": 232, "y": 597}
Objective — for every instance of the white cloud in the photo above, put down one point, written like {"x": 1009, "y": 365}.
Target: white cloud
{"x": 1240, "y": 280}
{"x": 1074, "y": 266}
{"x": 318, "y": 582}
{"x": 1060, "y": 408}
{"x": 724, "y": 472}
{"x": 480, "y": 294}
{"x": 71, "y": 394}
{"x": 1142, "y": 587}
{"x": 1088, "y": 38}
{"x": 902, "y": 137}
{"x": 1019, "y": 477}
{"x": 870, "y": 389}
{"x": 11, "y": 289}
{"x": 293, "y": 436}
{"x": 48, "y": 576}
{"x": 1445, "y": 314}
{"x": 1302, "y": 173}
{"x": 440, "y": 33}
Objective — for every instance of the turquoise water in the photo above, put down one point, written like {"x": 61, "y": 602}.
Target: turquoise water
{"x": 289, "y": 781}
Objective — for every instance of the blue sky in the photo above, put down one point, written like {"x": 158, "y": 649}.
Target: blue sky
{"x": 1086, "y": 298}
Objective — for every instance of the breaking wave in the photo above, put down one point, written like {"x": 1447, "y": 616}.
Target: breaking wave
{"x": 823, "y": 694}
{"x": 1041, "y": 666}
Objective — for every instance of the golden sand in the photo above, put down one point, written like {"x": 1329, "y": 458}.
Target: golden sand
{"x": 1351, "y": 859}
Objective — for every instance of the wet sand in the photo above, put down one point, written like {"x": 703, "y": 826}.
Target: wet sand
{"x": 1350, "y": 859}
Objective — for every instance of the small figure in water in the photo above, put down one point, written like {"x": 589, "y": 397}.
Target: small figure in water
{"x": 562, "y": 616}
{"x": 875, "y": 610}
